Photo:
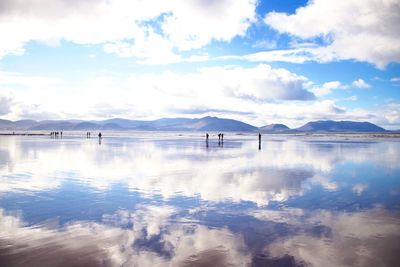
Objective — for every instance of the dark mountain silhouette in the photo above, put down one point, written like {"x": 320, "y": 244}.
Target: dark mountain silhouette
{"x": 275, "y": 128}
{"x": 340, "y": 126}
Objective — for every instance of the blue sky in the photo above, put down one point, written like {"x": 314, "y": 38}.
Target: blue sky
{"x": 257, "y": 61}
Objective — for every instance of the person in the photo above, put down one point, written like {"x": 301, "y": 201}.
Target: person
{"x": 99, "y": 135}
{"x": 207, "y": 136}
{"x": 259, "y": 141}
{"x": 222, "y": 137}
{"x": 61, "y": 134}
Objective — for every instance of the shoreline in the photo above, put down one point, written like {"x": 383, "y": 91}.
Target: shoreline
{"x": 342, "y": 135}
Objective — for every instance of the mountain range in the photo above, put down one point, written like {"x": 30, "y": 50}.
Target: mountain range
{"x": 185, "y": 124}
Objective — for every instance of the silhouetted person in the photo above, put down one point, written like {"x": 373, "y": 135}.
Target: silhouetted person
{"x": 99, "y": 135}
{"x": 89, "y": 134}
{"x": 61, "y": 134}
{"x": 222, "y": 138}
{"x": 259, "y": 141}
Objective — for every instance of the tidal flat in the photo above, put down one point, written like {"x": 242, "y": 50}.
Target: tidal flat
{"x": 169, "y": 199}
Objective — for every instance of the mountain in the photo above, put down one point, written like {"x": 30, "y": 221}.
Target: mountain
{"x": 214, "y": 124}
{"x": 340, "y": 126}
{"x": 53, "y": 125}
{"x": 275, "y": 128}
{"x": 6, "y": 124}
{"x": 205, "y": 124}
{"x": 165, "y": 124}
{"x": 86, "y": 126}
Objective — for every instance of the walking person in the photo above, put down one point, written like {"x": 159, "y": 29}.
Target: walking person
{"x": 100, "y": 138}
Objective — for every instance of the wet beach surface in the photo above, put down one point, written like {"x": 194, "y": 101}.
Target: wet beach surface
{"x": 173, "y": 200}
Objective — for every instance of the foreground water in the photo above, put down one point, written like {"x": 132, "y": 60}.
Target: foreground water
{"x": 174, "y": 200}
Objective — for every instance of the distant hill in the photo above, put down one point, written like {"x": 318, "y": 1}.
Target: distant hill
{"x": 53, "y": 125}
{"x": 206, "y": 124}
{"x": 340, "y": 126}
{"x": 275, "y": 128}
{"x": 165, "y": 124}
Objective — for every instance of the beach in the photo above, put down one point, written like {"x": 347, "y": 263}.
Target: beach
{"x": 173, "y": 200}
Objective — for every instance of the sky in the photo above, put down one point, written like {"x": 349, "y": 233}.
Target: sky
{"x": 261, "y": 62}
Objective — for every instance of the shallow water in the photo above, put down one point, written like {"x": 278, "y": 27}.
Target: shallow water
{"x": 173, "y": 200}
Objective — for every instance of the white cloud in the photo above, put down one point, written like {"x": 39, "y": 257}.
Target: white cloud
{"x": 360, "y": 30}
{"x": 359, "y": 188}
{"x": 360, "y": 83}
{"x": 327, "y": 88}
{"x": 350, "y": 98}
{"x": 6, "y": 103}
{"x": 390, "y": 114}
{"x": 229, "y": 88}
{"x": 266, "y": 44}
{"x": 291, "y": 55}
{"x": 193, "y": 24}
{"x": 258, "y": 95}
{"x": 142, "y": 29}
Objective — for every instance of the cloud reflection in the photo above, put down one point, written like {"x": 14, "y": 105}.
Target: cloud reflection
{"x": 238, "y": 172}
{"x": 326, "y": 238}
{"x": 102, "y": 244}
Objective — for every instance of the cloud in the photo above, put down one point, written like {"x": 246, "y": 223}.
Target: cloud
{"x": 358, "y": 30}
{"x": 6, "y": 104}
{"x": 390, "y": 114}
{"x": 257, "y": 95}
{"x": 360, "y": 83}
{"x": 395, "y": 80}
{"x": 259, "y": 83}
{"x": 359, "y": 188}
{"x": 152, "y": 31}
{"x": 327, "y": 88}
{"x": 213, "y": 90}
{"x": 266, "y": 44}
{"x": 350, "y": 98}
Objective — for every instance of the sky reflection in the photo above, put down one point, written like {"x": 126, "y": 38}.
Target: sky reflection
{"x": 175, "y": 202}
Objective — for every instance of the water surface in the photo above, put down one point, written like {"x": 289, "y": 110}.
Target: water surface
{"x": 174, "y": 200}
